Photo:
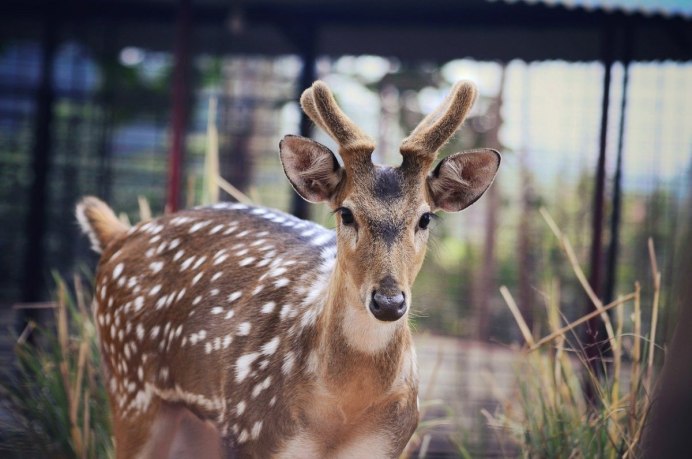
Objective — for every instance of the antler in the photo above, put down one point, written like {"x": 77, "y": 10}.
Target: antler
{"x": 319, "y": 104}
{"x": 436, "y": 128}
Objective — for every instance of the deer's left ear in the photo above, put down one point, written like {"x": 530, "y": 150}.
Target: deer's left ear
{"x": 312, "y": 168}
{"x": 460, "y": 179}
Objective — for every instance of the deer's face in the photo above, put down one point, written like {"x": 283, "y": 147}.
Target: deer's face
{"x": 382, "y": 228}
{"x": 383, "y": 213}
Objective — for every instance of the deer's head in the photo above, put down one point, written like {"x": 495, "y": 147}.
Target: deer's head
{"x": 383, "y": 212}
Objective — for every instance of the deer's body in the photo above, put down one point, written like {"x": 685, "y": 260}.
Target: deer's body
{"x": 256, "y": 334}
{"x": 253, "y": 366}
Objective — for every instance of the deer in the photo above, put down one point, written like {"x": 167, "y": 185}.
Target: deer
{"x": 235, "y": 330}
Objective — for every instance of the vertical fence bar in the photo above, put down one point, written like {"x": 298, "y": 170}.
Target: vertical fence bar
{"x": 611, "y": 270}
{"x": 299, "y": 207}
{"x": 34, "y": 254}
{"x": 180, "y": 95}
{"x": 595, "y": 329}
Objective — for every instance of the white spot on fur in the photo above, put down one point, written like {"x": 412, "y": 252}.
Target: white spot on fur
{"x": 287, "y": 311}
{"x": 268, "y": 308}
{"x": 246, "y": 261}
{"x": 221, "y": 259}
{"x": 216, "y": 310}
{"x": 270, "y": 347}
{"x": 140, "y": 332}
{"x": 155, "y": 289}
{"x": 244, "y": 329}
{"x": 156, "y": 266}
{"x": 234, "y": 296}
{"x": 289, "y": 361}
{"x": 199, "y": 262}
{"x": 186, "y": 264}
{"x": 199, "y": 225}
{"x": 161, "y": 248}
{"x": 277, "y": 272}
{"x": 282, "y": 282}
{"x": 117, "y": 271}
{"x": 243, "y": 364}
{"x": 256, "y": 429}
{"x": 261, "y": 386}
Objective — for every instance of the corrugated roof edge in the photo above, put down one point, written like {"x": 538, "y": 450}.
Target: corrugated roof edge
{"x": 644, "y": 10}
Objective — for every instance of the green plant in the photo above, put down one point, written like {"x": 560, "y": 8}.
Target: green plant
{"x": 54, "y": 393}
{"x": 564, "y": 405}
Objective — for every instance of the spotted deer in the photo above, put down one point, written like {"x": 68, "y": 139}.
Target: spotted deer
{"x": 241, "y": 331}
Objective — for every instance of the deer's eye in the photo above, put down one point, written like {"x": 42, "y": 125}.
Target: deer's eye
{"x": 346, "y": 216}
{"x": 425, "y": 220}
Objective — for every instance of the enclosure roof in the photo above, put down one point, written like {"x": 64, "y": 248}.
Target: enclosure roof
{"x": 668, "y": 8}
{"x": 433, "y": 30}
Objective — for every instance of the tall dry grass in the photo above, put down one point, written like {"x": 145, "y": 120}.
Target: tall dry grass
{"x": 54, "y": 394}
{"x": 552, "y": 413}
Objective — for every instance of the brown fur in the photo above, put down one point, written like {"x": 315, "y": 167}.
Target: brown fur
{"x": 319, "y": 104}
{"x": 99, "y": 222}
{"x": 436, "y": 128}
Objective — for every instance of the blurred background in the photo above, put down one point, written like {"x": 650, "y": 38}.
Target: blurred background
{"x": 589, "y": 102}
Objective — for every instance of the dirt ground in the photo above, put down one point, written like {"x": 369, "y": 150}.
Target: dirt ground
{"x": 458, "y": 379}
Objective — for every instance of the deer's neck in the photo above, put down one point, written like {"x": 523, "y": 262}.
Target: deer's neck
{"x": 355, "y": 345}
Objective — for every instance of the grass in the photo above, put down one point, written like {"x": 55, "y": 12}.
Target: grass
{"x": 552, "y": 413}
{"x": 54, "y": 393}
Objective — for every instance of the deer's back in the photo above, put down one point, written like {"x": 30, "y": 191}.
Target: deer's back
{"x": 212, "y": 299}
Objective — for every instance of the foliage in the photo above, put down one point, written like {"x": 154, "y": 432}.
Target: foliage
{"x": 55, "y": 393}
{"x": 567, "y": 405}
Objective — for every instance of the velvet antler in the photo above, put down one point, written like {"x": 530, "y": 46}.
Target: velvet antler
{"x": 319, "y": 104}
{"x": 436, "y": 128}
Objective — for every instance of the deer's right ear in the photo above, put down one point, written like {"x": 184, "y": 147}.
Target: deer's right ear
{"x": 312, "y": 168}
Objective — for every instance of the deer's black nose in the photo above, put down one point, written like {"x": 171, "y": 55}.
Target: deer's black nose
{"x": 388, "y": 306}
